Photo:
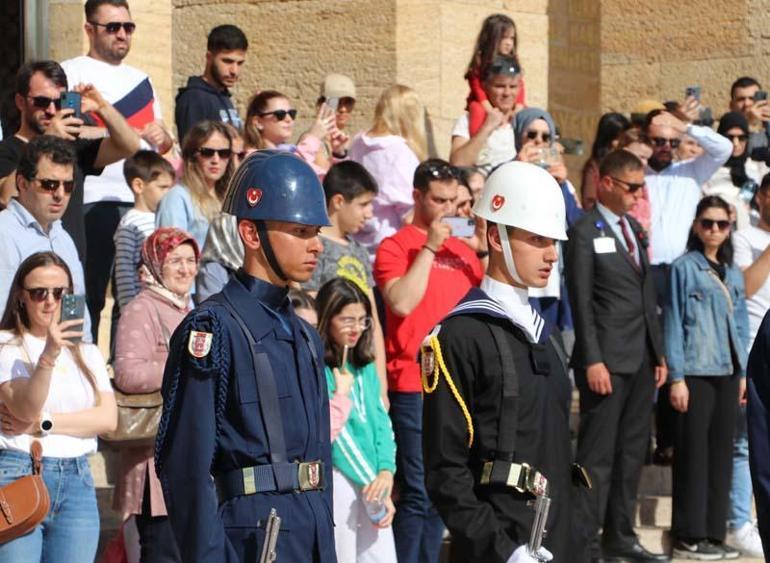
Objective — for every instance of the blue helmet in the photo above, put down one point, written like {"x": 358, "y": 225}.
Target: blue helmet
{"x": 272, "y": 185}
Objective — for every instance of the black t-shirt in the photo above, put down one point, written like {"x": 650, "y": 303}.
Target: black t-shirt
{"x": 86, "y": 150}
{"x": 719, "y": 269}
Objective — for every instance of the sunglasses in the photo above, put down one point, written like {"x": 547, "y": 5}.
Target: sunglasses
{"x": 545, "y": 137}
{"x": 50, "y": 185}
{"x": 443, "y": 171}
{"x": 44, "y": 102}
{"x": 280, "y": 114}
{"x": 628, "y": 185}
{"x": 741, "y": 138}
{"x": 662, "y": 141}
{"x": 114, "y": 27}
{"x": 40, "y": 294}
{"x": 708, "y": 224}
{"x": 207, "y": 152}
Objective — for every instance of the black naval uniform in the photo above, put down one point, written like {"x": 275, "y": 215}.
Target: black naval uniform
{"x": 488, "y": 522}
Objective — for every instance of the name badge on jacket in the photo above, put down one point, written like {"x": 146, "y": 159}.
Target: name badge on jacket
{"x": 604, "y": 245}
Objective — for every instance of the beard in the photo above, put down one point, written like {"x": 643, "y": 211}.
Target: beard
{"x": 660, "y": 161}
{"x": 217, "y": 76}
{"x": 34, "y": 124}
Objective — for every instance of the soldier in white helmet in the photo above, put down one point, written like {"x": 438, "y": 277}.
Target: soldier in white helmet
{"x": 497, "y": 394}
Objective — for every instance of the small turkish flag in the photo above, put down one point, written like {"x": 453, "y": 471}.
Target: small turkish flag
{"x": 497, "y": 202}
{"x": 253, "y": 195}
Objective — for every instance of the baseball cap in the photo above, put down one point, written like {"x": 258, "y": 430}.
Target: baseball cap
{"x": 338, "y": 86}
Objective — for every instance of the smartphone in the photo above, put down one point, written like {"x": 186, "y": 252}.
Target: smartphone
{"x": 72, "y": 100}
{"x": 461, "y": 226}
{"x": 693, "y": 91}
{"x": 760, "y": 96}
{"x": 572, "y": 146}
{"x": 333, "y": 103}
{"x": 73, "y": 307}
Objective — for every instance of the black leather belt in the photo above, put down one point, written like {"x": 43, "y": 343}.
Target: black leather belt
{"x": 301, "y": 476}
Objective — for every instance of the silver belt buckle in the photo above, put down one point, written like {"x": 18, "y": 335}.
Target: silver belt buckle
{"x": 309, "y": 475}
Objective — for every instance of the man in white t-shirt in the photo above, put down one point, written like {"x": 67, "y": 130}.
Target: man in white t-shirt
{"x": 752, "y": 255}
{"x": 107, "y": 197}
{"x": 494, "y": 142}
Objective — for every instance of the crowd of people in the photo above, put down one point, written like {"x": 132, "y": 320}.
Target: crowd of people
{"x": 379, "y": 344}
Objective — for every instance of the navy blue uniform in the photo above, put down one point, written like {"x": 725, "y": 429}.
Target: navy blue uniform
{"x": 758, "y": 420}
{"x": 213, "y": 423}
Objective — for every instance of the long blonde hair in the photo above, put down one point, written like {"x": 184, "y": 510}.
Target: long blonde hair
{"x": 400, "y": 112}
{"x": 209, "y": 204}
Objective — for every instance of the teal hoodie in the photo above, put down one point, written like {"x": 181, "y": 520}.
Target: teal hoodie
{"x": 365, "y": 446}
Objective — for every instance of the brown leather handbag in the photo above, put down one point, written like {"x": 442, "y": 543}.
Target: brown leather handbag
{"x": 25, "y": 502}
{"x": 138, "y": 418}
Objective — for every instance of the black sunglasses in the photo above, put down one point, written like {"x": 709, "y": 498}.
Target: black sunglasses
{"x": 631, "y": 187}
{"x": 280, "y": 114}
{"x": 443, "y": 171}
{"x": 532, "y": 135}
{"x": 43, "y": 102}
{"x": 50, "y": 185}
{"x": 741, "y": 138}
{"x": 40, "y": 294}
{"x": 114, "y": 27}
{"x": 708, "y": 224}
{"x": 206, "y": 152}
{"x": 662, "y": 141}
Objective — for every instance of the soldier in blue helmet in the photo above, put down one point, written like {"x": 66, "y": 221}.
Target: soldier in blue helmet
{"x": 245, "y": 426}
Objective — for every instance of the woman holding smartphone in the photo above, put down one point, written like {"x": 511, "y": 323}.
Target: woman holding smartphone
{"x": 56, "y": 390}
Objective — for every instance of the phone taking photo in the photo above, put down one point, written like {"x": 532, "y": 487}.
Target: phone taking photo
{"x": 760, "y": 96}
{"x": 73, "y": 307}
{"x": 463, "y": 227}
{"x": 693, "y": 91}
{"x": 333, "y": 103}
{"x": 72, "y": 100}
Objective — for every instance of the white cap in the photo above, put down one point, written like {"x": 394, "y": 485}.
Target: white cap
{"x": 525, "y": 196}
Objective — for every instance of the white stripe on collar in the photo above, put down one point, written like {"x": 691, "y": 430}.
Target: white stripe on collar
{"x": 514, "y": 302}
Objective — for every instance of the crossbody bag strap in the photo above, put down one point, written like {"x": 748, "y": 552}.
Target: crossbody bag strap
{"x": 508, "y": 424}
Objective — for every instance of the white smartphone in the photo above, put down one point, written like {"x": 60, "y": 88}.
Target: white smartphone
{"x": 461, "y": 226}
{"x": 333, "y": 103}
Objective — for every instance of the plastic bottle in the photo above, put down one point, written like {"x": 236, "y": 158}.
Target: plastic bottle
{"x": 376, "y": 510}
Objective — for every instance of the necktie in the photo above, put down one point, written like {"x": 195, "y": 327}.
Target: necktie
{"x": 629, "y": 242}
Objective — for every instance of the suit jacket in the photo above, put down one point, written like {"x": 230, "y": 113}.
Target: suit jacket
{"x": 613, "y": 301}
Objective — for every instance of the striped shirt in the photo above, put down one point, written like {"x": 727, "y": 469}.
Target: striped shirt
{"x": 134, "y": 227}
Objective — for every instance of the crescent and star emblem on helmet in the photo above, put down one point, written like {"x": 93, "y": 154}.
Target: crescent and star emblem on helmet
{"x": 497, "y": 202}
{"x": 253, "y": 196}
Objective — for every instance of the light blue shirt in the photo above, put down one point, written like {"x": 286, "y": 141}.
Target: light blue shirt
{"x": 23, "y": 236}
{"x": 613, "y": 221}
{"x": 176, "y": 209}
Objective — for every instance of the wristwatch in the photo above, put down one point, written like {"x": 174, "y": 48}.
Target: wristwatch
{"x": 46, "y": 423}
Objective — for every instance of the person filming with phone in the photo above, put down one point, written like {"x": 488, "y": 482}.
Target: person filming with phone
{"x": 54, "y": 390}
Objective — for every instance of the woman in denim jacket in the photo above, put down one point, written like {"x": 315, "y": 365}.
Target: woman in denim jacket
{"x": 706, "y": 341}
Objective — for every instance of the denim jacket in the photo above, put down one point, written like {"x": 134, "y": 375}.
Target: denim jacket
{"x": 703, "y": 328}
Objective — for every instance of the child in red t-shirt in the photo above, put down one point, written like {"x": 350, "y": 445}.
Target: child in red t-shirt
{"x": 497, "y": 37}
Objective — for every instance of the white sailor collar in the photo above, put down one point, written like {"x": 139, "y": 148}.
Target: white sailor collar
{"x": 515, "y": 302}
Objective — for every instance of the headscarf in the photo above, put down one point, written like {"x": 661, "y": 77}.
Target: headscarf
{"x": 155, "y": 250}
{"x": 524, "y": 119}
{"x": 223, "y": 245}
{"x": 736, "y": 164}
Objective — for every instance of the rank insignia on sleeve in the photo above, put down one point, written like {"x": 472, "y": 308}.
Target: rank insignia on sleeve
{"x": 199, "y": 344}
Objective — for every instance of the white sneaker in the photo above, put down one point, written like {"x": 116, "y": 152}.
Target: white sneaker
{"x": 746, "y": 539}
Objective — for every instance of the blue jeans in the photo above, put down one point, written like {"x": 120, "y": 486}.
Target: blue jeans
{"x": 740, "y": 490}
{"x": 70, "y": 532}
{"x": 417, "y": 527}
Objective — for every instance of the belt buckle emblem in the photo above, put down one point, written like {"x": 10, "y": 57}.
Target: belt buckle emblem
{"x": 309, "y": 474}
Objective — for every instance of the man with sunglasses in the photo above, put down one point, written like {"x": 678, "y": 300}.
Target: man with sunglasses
{"x": 107, "y": 197}
{"x": 32, "y": 221}
{"x": 618, "y": 357}
{"x": 39, "y": 87}
{"x": 208, "y": 96}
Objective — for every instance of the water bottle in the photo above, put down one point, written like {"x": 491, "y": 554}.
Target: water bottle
{"x": 376, "y": 510}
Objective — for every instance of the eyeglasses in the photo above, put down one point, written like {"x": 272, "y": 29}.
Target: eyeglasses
{"x": 663, "y": 141}
{"x": 708, "y": 224}
{"x": 280, "y": 114}
{"x": 443, "y": 171}
{"x": 207, "y": 152}
{"x": 51, "y": 185}
{"x": 40, "y": 294}
{"x": 364, "y": 323}
{"x": 177, "y": 262}
{"x": 741, "y": 138}
{"x": 240, "y": 155}
{"x": 114, "y": 27}
{"x": 545, "y": 137}
{"x": 44, "y": 102}
{"x": 628, "y": 185}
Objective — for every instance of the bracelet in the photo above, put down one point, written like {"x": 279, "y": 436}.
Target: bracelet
{"x": 677, "y": 381}
{"x": 426, "y": 247}
{"x": 340, "y": 156}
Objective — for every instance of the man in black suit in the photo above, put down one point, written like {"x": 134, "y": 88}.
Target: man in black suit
{"x": 618, "y": 356}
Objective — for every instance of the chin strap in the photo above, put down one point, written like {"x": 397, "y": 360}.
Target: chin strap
{"x": 508, "y": 255}
{"x": 268, "y": 249}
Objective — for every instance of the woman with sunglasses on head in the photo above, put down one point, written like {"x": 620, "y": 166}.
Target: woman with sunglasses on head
{"x": 169, "y": 264}
{"x": 706, "y": 333}
{"x": 270, "y": 121}
{"x": 737, "y": 181}
{"x": 56, "y": 390}
{"x": 363, "y": 446}
{"x": 206, "y": 170}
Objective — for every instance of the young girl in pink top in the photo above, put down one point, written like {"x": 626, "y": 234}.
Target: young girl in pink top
{"x": 497, "y": 37}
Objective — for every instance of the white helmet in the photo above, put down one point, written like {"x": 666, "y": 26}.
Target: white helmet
{"x": 525, "y": 196}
